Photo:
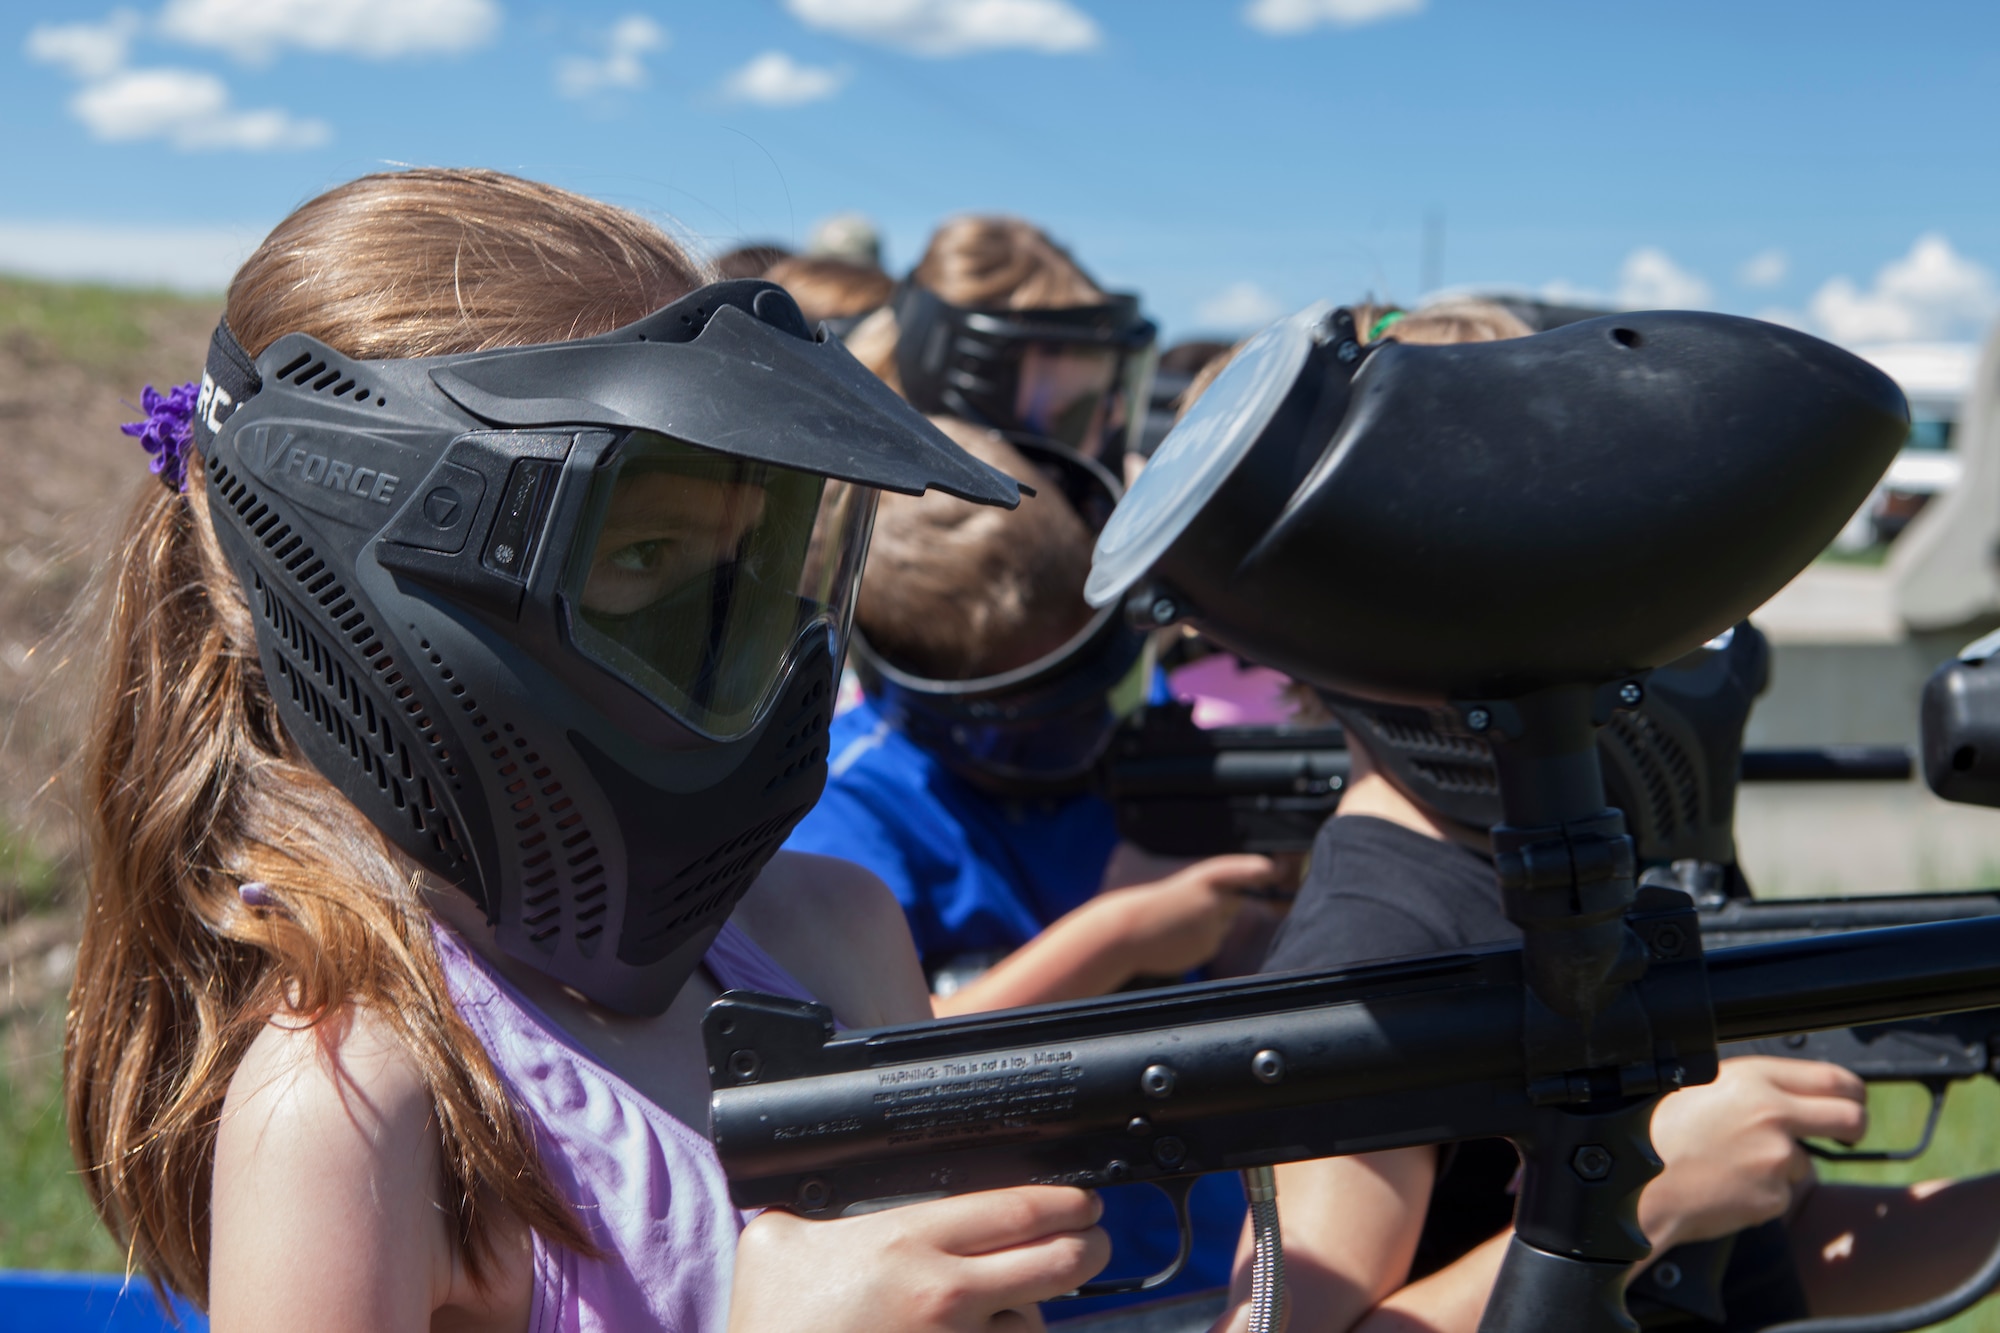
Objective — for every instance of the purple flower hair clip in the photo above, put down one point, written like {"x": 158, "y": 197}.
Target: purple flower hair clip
{"x": 167, "y": 431}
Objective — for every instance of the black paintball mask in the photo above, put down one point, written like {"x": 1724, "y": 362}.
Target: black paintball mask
{"x": 1456, "y": 528}
{"x": 1039, "y": 729}
{"x": 565, "y": 620}
{"x": 1080, "y": 375}
{"x": 1671, "y": 763}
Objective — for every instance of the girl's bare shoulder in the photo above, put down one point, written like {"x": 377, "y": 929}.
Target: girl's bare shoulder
{"x": 838, "y": 929}
{"x": 298, "y": 1073}
{"x": 327, "y": 1133}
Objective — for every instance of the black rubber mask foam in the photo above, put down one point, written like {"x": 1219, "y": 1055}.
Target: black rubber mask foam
{"x": 401, "y": 530}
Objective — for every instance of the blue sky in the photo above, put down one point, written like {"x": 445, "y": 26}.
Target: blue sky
{"x": 1832, "y": 162}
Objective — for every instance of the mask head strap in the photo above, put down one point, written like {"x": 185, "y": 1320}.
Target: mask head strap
{"x": 229, "y": 379}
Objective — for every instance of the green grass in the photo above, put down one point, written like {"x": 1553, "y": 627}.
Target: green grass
{"x": 29, "y": 880}
{"x": 45, "y": 1219}
{"x": 1868, "y": 557}
{"x": 1967, "y": 1143}
{"x": 101, "y": 328}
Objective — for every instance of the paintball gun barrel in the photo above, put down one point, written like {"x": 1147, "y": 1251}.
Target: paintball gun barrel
{"x": 1270, "y": 1070}
{"x": 1180, "y": 790}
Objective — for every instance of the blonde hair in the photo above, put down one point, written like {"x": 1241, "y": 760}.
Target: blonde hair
{"x": 828, "y": 288}
{"x": 958, "y": 591}
{"x": 1437, "y": 325}
{"x": 193, "y": 788}
{"x": 982, "y": 262}
{"x": 1457, "y": 321}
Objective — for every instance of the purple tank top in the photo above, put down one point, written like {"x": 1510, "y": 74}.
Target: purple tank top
{"x": 648, "y": 1188}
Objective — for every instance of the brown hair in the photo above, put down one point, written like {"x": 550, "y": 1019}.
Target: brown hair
{"x": 995, "y": 263}
{"x": 957, "y": 591}
{"x": 749, "y": 261}
{"x": 193, "y": 789}
{"x": 827, "y": 288}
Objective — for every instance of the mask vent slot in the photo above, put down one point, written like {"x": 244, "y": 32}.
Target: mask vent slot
{"x": 1417, "y": 739}
{"x": 560, "y": 864}
{"x": 318, "y": 678}
{"x": 323, "y": 377}
{"x": 1666, "y": 776}
{"x": 806, "y": 740}
{"x": 715, "y": 879}
{"x": 1459, "y": 779}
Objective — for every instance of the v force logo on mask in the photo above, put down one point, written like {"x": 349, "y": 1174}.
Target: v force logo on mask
{"x": 281, "y": 460}
{"x": 336, "y": 475}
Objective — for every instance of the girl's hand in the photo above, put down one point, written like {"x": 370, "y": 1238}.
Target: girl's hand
{"x": 980, "y": 1261}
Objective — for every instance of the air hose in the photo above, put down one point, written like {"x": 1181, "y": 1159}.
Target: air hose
{"x": 1267, "y": 1270}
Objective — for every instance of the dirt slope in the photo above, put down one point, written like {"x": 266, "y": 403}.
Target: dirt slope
{"x": 72, "y": 363}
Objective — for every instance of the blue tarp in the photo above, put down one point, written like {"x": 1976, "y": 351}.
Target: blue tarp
{"x": 86, "y": 1303}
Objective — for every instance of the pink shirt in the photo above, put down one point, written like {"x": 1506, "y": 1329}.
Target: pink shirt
{"x": 648, "y": 1188}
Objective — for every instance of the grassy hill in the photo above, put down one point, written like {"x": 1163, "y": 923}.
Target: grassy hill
{"x": 72, "y": 361}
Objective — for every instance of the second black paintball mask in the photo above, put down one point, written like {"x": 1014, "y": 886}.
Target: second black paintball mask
{"x": 1079, "y": 375}
{"x": 565, "y": 620}
{"x": 1671, "y": 764}
{"x": 1040, "y": 728}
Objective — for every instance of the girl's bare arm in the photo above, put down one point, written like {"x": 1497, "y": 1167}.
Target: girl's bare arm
{"x": 326, "y": 1216}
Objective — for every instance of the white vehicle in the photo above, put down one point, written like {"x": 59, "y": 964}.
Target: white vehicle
{"x": 1936, "y": 378}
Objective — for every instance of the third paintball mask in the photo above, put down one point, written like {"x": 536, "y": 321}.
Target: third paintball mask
{"x": 1040, "y": 728}
{"x": 1671, "y": 763}
{"x": 564, "y": 621}
{"x": 1076, "y": 374}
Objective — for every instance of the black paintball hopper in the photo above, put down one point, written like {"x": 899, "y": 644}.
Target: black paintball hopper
{"x": 1489, "y": 519}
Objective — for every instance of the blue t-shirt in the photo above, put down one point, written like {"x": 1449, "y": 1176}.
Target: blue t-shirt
{"x": 978, "y": 873}
{"x": 974, "y": 873}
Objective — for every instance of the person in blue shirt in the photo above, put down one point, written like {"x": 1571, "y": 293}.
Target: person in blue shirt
{"x": 991, "y": 688}
{"x": 962, "y": 777}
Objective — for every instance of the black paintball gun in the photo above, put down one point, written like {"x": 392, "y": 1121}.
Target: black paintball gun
{"x": 1671, "y": 766}
{"x": 1513, "y": 535}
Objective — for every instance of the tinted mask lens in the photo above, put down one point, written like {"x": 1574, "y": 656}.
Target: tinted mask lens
{"x": 1067, "y": 393}
{"x": 696, "y": 573}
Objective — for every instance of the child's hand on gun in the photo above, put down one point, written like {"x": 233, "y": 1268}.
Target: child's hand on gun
{"x": 978, "y": 1262}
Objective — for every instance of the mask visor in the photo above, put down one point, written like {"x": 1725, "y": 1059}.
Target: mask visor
{"x": 1082, "y": 395}
{"x": 695, "y": 575}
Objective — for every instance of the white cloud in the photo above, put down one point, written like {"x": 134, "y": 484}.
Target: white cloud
{"x": 188, "y": 108}
{"x": 623, "y": 64}
{"x": 86, "y": 50}
{"x": 1766, "y": 268}
{"x": 194, "y": 259}
{"x": 1932, "y": 292}
{"x": 1284, "y": 17}
{"x": 1564, "y": 292}
{"x": 256, "y": 30}
{"x": 955, "y": 27}
{"x": 1239, "y": 306}
{"x": 1649, "y": 280}
{"x": 775, "y": 79}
